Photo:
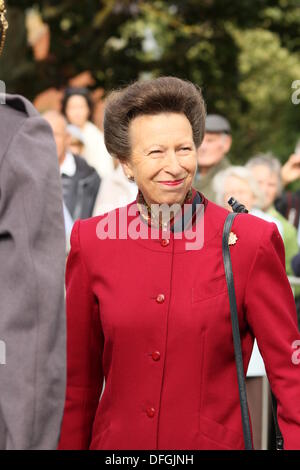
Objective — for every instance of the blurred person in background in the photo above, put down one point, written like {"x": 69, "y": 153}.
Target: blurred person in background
{"x": 116, "y": 190}
{"x": 69, "y": 222}
{"x": 239, "y": 182}
{"x": 296, "y": 271}
{"x": 77, "y": 107}
{"x": 76, "y": 141}
{"x": 288, "y": 202}
{"x": 80, "y": 181}
{"x": 32, "y": 262}
{"x": 76, "y": 147}
{"x": 266, "y": 169}
{"x": 212, "y": 154}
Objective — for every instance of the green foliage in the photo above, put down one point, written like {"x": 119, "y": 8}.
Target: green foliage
{"x": 267, "y": 71}
{"x": 244, "y": 55}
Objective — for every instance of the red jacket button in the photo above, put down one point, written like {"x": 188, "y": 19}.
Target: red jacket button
{"x": 160, "y": 298}
{"x": 150, "y": 412}
{"x": 156, "y": 356}
{"x": 165, "y": 242}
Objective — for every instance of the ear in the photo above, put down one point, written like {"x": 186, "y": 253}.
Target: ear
{"x": 127, "y": 169}
{"x": 227, "y": 141}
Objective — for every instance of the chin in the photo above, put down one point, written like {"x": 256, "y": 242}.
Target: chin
{"x": 172, "y": 197}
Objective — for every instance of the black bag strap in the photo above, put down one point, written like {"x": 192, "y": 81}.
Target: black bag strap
{"x": 279, "y": 438}
{"x": 236, "y": 332}
{"x": 237, "y": 344}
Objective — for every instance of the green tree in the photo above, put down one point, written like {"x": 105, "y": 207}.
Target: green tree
{"x": 267, "y": 71}
{"x": 243, "y": 54}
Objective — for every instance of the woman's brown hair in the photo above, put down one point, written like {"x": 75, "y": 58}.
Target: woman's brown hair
{"x": 160, "y": 95}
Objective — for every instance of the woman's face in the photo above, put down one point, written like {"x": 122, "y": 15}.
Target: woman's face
{"x": 77, "y": 110}
{"x": 163, "y": 157}
{"x": 240, "y": 190}
{"x": 268, "y": 183}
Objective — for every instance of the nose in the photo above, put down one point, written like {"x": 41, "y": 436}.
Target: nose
{"x": 172, "y": 164}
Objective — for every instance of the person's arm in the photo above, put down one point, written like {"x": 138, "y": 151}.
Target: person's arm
{"x": 271, "y": 314}
{"x": 290, "y": 171}
{"x": 84, "y": 352}
{"x": 32, "y": 264}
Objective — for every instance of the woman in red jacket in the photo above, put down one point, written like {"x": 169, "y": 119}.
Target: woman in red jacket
{"x": 147, "y": 302}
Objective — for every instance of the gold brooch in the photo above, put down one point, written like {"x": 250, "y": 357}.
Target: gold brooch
{"x": 232, "y": 238}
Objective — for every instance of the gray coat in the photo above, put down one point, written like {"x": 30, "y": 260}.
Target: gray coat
{"x": 32, "y": 261}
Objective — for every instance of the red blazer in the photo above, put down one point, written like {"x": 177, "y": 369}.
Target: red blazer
{"x": 153, "y": 319}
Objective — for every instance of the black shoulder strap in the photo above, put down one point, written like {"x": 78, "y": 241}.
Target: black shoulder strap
{"x": 236, "y": 332}
{"x": 237, "y": 344}
{"x": 279, "y": 438}
{"x": 186, "y": 221}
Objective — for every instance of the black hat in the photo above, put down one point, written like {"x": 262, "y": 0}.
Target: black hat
{"x": 217, "y": 124}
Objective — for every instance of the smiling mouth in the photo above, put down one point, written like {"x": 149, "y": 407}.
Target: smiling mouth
{"x": 172, "y": 182}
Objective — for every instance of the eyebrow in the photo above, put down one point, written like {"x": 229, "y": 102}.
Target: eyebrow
{"x": 147, "y": 149}
{"x": 153, "y": 146}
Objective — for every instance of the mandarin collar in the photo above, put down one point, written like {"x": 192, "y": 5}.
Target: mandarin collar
{"x": 184, "y": 217}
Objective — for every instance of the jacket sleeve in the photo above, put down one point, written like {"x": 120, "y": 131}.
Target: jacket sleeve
{"x": 271, "y": 314}
{"x": 84, "y": 352}
{"x": 32, "y": 265}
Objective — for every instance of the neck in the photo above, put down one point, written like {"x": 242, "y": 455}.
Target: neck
{"x": 203, "y": 170}
{"x": 160, "y": 214}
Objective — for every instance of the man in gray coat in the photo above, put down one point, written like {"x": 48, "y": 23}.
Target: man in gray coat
{"x": 32, "y": 261}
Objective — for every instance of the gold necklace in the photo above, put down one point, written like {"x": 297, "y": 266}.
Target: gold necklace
{"x": 149, "y": 216}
